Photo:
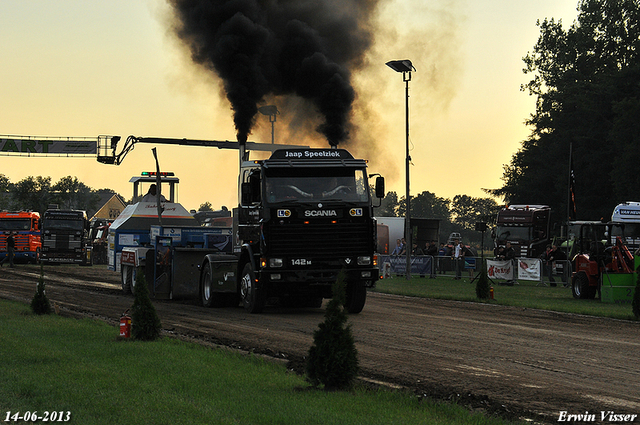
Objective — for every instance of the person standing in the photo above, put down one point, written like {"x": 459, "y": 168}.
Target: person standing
{"x": 442, "y": 252}
{"x": 11, "y": 246}
{"x": 457, "y": 259}
{"x": 554, "y": 256}
{"x": 548, "y": 266}
{"x": 510, "y": 255}
{"x": 432, "y": 251}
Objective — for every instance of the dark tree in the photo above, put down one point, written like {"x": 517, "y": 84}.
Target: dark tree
{"x": 585, "y": 80}
{"x": 40, "y": 303}
{"x": 145, "y": 323}
{"x": 71, "y": 193}
{"x": 333, "y": 358}
{"x": 426, "y": 205}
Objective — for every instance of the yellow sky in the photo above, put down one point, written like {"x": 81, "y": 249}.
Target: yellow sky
{"x": 78, "y": 68}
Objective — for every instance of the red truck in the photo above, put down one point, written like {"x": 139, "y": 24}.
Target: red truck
{"x": 25, "y": 228}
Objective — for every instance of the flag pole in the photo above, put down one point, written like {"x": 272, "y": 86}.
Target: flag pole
{"x": 570, "y": 195}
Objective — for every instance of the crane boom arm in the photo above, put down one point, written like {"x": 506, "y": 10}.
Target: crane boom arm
{"x": 110, "y": 156}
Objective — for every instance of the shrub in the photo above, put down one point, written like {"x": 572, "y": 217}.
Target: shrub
{"x": 40, "y": 303}
{"x": 635, "y": 304}
{"x": 482, "y": 284}
{"x": 333, "y": 358}
{"x": 145, "y": 323}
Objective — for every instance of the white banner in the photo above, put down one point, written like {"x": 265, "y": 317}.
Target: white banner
{"x": 502, "y": 269}
{"x": 529, "y": 269}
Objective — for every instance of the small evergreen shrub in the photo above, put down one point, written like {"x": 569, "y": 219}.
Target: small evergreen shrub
{"x": 333, "y": 358}
{"x": 635, "y": 303}
{"x": 145, "y": 323}
{"x": 40, "y": 303}
{"x": 482, "y": 284}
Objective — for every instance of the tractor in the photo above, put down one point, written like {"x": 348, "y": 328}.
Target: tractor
{"x": 597, "y": 262}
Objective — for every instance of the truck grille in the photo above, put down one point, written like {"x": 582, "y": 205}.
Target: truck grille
{"x": 320, "y": 240}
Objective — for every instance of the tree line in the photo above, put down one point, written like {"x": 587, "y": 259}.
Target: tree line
{"x": 456, "y": 215}
{"x": 37, "y": 193}
{"x": 459, "y": 214}
{"x": 585, "y": 129}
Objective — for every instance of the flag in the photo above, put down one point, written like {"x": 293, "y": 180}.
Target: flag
{"x": 572, "y": 193}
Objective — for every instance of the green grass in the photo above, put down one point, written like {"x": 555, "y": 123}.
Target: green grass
{"x": 526, "y": 294}
{"x": 51, "y": 363}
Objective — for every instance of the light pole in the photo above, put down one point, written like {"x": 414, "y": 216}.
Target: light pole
{"x": 406, "y": 67}
{"x": 272, "y": 111}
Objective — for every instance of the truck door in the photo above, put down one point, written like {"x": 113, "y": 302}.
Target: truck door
{"x": 250, "y": 211}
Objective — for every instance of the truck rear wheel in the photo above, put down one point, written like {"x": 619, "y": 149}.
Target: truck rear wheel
{"x": 251, "y": 294}
{"x": 356, "y": 297}
{"x": 209, "y": 297}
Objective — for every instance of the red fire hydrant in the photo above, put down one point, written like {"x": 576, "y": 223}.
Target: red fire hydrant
{"x": 125, "y": 325}
{"x": 490, "y": 292}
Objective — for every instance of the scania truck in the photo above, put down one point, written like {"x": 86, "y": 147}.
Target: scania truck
{"x": 304, "y": 218}
{"x": 526, "y": 227}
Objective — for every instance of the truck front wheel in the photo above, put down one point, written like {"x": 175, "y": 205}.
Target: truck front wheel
{"x": 356, "y": 297}
{"x": 580, "y": 286}
{"x": 251, "y": 294}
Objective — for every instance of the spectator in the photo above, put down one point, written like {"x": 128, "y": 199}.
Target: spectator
{"x": 398, "y": 249}
{"x": 432, "y": 250}
{"x": 554, "y": 256}
{"x": 458, "y": 254}
{"x": 11, "y": 246}
{"x": 548, "y": 266}
{"x": 510, "y": 255}
{"x": 442, "y": 252}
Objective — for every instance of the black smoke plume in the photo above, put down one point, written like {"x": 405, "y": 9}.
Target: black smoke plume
{"x": 280, "y": 47}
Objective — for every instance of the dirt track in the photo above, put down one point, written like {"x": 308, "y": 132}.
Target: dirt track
{"x": 511, "y": 361}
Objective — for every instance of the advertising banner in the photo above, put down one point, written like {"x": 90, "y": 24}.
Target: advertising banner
{"x": 529, "y": 269}
{"x": 419, "y": 264}
{"x": 44, "y": 146}
{"x": 500, "y": 269}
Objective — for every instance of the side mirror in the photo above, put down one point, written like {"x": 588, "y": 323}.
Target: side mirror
{"x": 380, "y": 187}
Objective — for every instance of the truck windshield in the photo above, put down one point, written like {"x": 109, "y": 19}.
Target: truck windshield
{"x": 631, "y": 230}
{"x": 57, "y": 224}
{"x": 513, "y": 233}
{"x": 304, "y": 185}
{"x": 15, "y": 224}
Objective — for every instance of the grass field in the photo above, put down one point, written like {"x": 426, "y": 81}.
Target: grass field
{"x": 525, "y": 294}
{"x": 83, "y": 371}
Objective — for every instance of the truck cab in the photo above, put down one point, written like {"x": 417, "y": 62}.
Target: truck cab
{"x": 25, "y": 228}
{"x": 65, "y": 237}
{"x": 305, "y": 216}
{"x": 526, "y": 227}
{"x": 627, "y": 215}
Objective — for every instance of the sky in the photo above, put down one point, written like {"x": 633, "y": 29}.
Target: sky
{"x": 77, "y": 68}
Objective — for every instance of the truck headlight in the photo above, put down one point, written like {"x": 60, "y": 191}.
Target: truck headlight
{"x": 364, "y": 260}
{"x": 275, "y": 262}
